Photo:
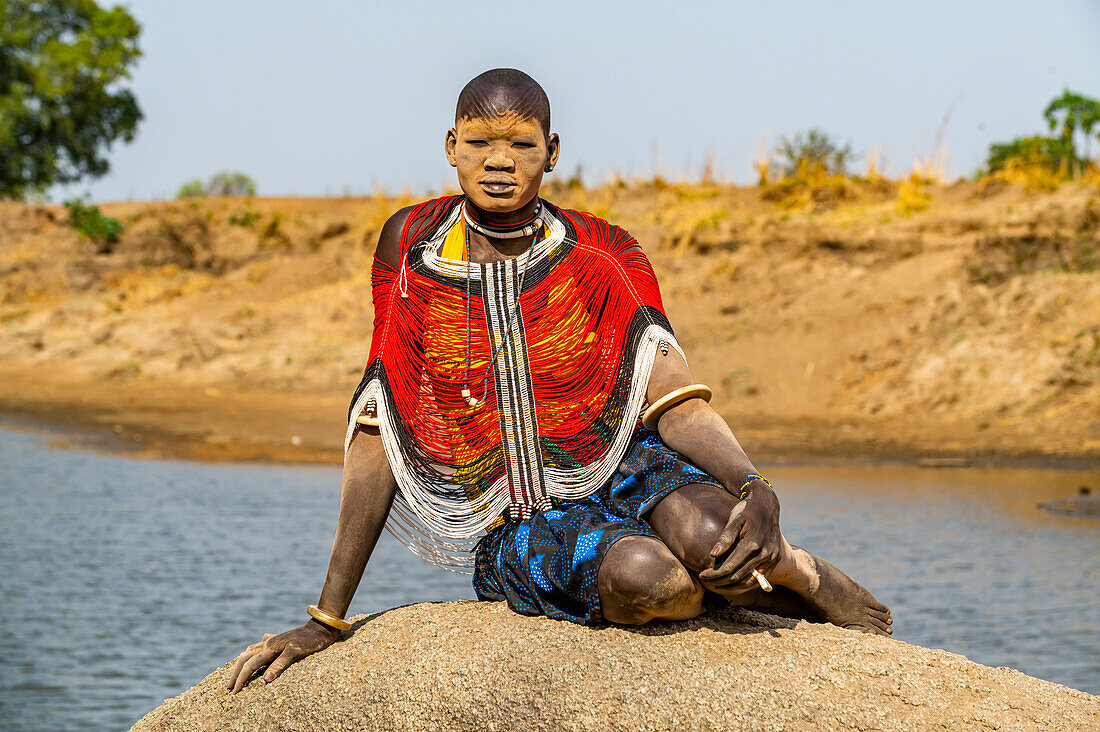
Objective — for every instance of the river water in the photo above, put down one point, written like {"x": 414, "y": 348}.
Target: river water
{"x": 124, "y": 582}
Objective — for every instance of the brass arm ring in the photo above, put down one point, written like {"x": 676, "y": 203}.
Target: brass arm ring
{"x": 325, "y": 619}
{"x": 653, "y": 413}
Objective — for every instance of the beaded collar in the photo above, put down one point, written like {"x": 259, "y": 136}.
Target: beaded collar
{"x": 524, "y": 228}
{"x": 456, "y": 269}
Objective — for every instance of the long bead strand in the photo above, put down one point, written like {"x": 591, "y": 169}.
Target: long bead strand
{"x": 467, "y": 394}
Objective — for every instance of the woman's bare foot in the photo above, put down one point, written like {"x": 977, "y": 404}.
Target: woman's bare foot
{"x": 780, "y": 601}
{"x": 835, "y": 596}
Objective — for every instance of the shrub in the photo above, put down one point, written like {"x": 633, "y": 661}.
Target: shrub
{"x": 812, "y": 152}
{"x": 225, "y": 183}
{"x": 243, "y": 218}
{"x": 191, "y": 189}
{"x": 1054, "y": 154}
{"x": 811, "y": 170}
{"x": 90, "y": 223}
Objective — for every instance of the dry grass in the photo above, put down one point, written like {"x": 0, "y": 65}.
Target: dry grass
{"x": 913, "y": 195}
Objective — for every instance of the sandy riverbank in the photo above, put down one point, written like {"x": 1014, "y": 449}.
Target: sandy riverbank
{"x": 237, "y": 328}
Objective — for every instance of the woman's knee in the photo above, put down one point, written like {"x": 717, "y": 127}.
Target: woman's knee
{"x": 691, "y": 519}
{"x": 641, "y": 580}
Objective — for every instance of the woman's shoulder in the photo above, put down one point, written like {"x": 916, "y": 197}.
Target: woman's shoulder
{"x": 410, "y": 221}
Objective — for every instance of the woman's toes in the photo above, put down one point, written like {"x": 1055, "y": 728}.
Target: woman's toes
{"x": 868, "y": 628}
{"x": 873, "y": 625}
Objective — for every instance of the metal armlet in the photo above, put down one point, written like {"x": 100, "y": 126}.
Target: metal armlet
{"x": 325, "y": 619}
{"x": 652, "y": 414}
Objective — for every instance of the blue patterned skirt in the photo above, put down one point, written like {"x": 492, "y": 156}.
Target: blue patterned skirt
{"x": 549, "y": 564}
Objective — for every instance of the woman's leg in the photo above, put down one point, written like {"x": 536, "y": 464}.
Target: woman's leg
{"x": 641, "y": 580}
{"x": 689, "y": 521}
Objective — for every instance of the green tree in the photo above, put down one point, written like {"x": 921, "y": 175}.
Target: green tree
{"x": 225, "y": 183}
{"x": 229, "y": 183}
{"x": 62, "y": 97}
{"x": 1072, "y": 112}
{"x": 814, "y": 149}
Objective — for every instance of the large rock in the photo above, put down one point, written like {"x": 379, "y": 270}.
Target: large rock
{"x": 470, "y": 665}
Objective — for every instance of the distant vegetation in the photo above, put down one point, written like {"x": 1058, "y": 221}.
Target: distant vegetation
{"x": 1072, "y": 112}
{"x": 813, "y": 151}
{"x": 1053, "y": 153}
{"x": 243, "y": 217}
{"x": 192, "y": 189}
{"x": 813, "y": 169}
{"x": 808, "y": 169}
{"x": 63, "y": 100}
{"x": 226, "y": 183}
{"x": 1044, "y": 161}
{"x": 92, "y": 224}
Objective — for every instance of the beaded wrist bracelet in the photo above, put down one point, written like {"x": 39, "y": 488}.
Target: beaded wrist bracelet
{"x": 751, "y": 478}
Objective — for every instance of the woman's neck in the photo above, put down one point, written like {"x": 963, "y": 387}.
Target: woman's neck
{"x": 503, "y": 219}
{"x": 486, "y": 248}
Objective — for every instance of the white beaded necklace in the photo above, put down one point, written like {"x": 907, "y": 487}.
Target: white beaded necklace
{"x": 494, "y": 232}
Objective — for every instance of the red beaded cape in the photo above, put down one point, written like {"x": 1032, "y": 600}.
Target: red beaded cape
{"x": 560, "y": 390}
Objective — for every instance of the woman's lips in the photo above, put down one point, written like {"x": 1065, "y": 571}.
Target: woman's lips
{"x": 494, "y": 187}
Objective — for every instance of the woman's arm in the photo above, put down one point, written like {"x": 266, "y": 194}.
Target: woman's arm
{"x": 751, "y": 539}
{"x": 365, "y": 500}
{"x": 368, "y": 492}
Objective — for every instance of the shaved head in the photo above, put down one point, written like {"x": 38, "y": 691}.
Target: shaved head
{"x": 500, "y": 91}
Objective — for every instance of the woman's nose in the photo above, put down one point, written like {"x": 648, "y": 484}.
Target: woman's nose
{"x": 497, "y": 160}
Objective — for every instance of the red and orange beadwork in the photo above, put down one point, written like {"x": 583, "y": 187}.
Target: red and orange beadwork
{"x": 565, "y": 384}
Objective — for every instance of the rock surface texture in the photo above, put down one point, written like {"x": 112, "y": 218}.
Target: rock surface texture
{"x": 470, "y": 665}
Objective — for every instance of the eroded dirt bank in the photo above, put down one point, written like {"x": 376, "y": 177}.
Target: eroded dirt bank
{"x": 854, "y": 326}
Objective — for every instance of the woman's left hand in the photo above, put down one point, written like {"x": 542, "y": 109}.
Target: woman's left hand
{"x": 751, "y": 540}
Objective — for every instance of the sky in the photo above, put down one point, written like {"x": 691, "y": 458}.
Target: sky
{"x": 332, "y": 98}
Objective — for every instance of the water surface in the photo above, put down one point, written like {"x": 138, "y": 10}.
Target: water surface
{"x": 126, "y": 581}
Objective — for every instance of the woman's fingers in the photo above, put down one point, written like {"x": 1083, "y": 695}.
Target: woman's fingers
{"x": 768, "y": 563}
{"x": 241, "y": 660}
{"x": 742, "y": 553}
{"x": 728, "y": 536}
{"x": 279, "y": 664}
{"x": 741, "y": 576}
{"x": 756, "y": 559}
{"x": 251, "y": 666}
{"x": 279, "y": 651}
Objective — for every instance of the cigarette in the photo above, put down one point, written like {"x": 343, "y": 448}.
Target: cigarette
{"x": 762, "y": 580}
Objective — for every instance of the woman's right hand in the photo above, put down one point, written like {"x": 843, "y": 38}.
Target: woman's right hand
{"x": 280, "y": 651}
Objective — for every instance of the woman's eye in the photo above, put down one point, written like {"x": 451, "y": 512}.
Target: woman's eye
{"x": 522, "y": 144}
{"x": 477, "y": 143}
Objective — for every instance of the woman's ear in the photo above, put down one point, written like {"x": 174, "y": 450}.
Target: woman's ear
{"x": 449, "y": 145}
{"x": 553, "y": 147}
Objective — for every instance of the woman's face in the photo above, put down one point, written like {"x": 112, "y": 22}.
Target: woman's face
{"x": 500, "y": 161}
